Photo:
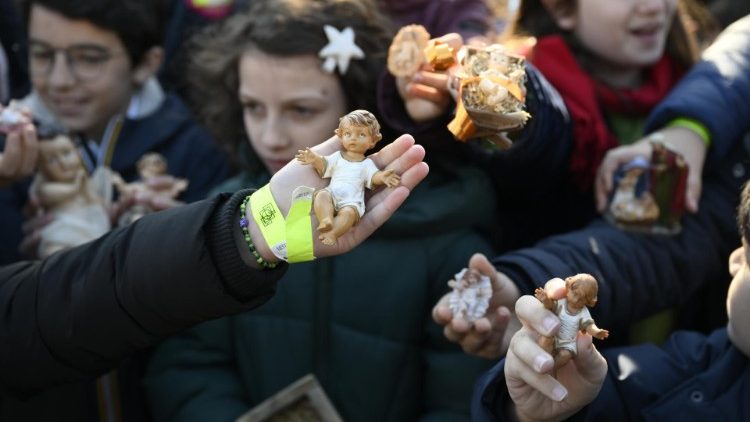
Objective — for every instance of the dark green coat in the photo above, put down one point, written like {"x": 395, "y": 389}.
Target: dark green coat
{"x": 360, "y": 322}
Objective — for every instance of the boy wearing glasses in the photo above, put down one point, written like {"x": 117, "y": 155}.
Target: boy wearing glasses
{"x": 92, "y": 67}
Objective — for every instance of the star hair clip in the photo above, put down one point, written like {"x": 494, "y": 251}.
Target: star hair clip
{"x": 340, "y": 49}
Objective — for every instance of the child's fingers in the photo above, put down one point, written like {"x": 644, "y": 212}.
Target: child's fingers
{"x": 590, "y": 363}
{"x": 532, "y": 314}
{"x": 432, "y": 79}
{"x": 428, "y": 93}
{"x": 441, "y": 312}
{"x": 452, "y": 334}
{"x": 693, "y": 193}
{"x": 30, "y": 149}
{"x": 555, "y": 288}
{"x": 392, "y": 151}
{"x": 518, "y": 374}
{"x": 11, "y": 156}
{"x": 453, "y": 39}
{"x": 480, "y": 263}
{"x": 328, "y": 147}
{"x": 525, "y": 347}
{"x": 412, "y": 156}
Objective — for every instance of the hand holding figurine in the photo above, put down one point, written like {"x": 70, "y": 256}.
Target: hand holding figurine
{"x": 402, "y": 156}
{"x": 538, "y": 395}
{"x": 18, "y": 158}
{"x": 488, "y": 336}
{"x": 681, "y": 140}
{"x": 424, "y": 89}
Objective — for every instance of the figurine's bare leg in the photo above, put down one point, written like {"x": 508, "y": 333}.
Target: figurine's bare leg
{"x": 323, "y": 205}
{"x": 562, "y": 357}
{"x": 547, "y": 343}
{"x": 344, "y": 221}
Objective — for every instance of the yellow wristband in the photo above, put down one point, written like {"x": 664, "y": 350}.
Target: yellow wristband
{"x": 269, "y": 219}
{"x": 695, "y": 126}
{"x": 299, "y": 237}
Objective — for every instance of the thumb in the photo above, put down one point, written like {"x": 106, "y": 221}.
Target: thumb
{"x": 590, "y": 363}
{"x": 693, "y": 193}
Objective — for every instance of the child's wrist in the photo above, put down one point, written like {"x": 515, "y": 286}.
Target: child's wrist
{"x": 261, "y": 246}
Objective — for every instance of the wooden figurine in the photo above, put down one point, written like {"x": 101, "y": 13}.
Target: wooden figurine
{"x": 63, "y": 188}
{"x": 339, "y": 206}
{"x": 582, "y": 291}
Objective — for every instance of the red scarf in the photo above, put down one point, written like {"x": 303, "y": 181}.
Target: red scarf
{"x": 586, "y": 99}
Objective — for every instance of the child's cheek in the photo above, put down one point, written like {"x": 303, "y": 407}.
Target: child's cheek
{"x": 738, "y": 308}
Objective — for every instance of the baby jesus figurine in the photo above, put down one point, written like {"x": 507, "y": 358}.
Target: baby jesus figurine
{"x": 582, "y": 291}
{"x": 63, "y": 188}
{"x": 471, "y": 294}
{"x": 339, "y": 206}
{"x": 154, "y": 181}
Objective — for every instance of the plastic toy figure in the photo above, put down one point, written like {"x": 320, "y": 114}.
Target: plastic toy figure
{"x": 339, "y": 206}
{"x": 154, "y": 181}
{"x": 582, "y": 291}
{"x": 63, "y": 189}
{"x": 471, "y": 294}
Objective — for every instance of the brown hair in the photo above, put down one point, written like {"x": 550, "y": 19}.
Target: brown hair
{"x": 533, "y": 20}
{"x": 589, "y": 283}
{"x": 361, "y": 118}
{"x": 743, "y": 213}
{"x": 281, "y": 28}
{"x": 150, "y": 159}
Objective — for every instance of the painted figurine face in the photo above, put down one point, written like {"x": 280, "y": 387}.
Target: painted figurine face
{"x": 623, "y": 33}
{"x": 81, "y": 72}
{"x": 738, "y": 300}
{"x": 59, "y": 160}
{"x": 356, "y": 138}
{"x": 289, "y": 104}
{"x": 150, "y": 167}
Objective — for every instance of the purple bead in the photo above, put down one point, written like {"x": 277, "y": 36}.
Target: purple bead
{"x": 243, "y": 222}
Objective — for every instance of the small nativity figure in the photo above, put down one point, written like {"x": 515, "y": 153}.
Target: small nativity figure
{"x": 154, "y": 181}
{"x": 582, "y": 291}
{"x": 63, "y": 189}
{"x": 471, "y": 294}
{"x": 339, "y": 206}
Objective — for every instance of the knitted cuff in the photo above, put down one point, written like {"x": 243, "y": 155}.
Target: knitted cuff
{"x": 242, "y": 281}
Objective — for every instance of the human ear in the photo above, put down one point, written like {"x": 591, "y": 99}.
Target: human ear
{"x": 149, "y": 65}
{"x": 736, "y": 260}
{"x": 563, "y": 12}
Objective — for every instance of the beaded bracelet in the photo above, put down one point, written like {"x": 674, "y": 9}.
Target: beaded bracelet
{"x": 244, "y": 226}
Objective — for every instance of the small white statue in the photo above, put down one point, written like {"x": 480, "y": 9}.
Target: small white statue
{"x": 471, "y": 294}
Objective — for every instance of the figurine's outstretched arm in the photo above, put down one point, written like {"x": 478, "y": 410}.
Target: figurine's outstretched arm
{"x": 386, "y": 177}
{"x": 597, "y": 332}
{"x": 541, "y": 294}
{"x": 306, "y": 156}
